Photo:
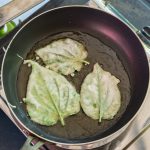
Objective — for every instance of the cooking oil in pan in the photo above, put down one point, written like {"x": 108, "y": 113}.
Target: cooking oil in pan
{"x": 80, "y": 125}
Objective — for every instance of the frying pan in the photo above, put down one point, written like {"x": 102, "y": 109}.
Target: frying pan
{"x": 106, "y": 38}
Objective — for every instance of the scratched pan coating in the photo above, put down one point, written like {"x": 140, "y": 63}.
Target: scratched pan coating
{"x": 80, "y": 125}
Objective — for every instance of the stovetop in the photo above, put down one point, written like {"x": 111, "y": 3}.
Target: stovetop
{"x": 142, "y": 119}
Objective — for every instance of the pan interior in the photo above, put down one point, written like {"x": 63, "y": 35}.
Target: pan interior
{"x": 80, "y": 126}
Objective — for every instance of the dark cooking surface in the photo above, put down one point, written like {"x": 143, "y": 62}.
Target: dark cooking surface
{"x": 97, "y": 52}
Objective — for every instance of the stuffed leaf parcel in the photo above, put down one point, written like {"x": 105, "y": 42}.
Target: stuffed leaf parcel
{"x": 50, "y": 97}
{"x": 64, "y": 56}
{"x": 100, "y": 95}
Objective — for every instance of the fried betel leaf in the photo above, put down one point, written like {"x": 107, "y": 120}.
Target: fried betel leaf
{"x": 100, "y": 95}
{"x": 50, "y": 97}
{"x": 63, "y": 56}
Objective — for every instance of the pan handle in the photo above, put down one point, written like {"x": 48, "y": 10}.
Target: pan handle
{"x": 30, "y": 145}
{"x": 33, "y": 143}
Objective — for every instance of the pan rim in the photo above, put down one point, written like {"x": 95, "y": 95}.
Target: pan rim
{"x": 111, "y": 136}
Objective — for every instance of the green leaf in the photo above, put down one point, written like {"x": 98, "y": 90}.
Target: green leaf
{"x": 63, "y": 56}
{"x": 50, "y": 97}
{"x": 100, "y": 95}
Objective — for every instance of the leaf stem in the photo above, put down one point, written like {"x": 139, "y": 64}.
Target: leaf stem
{"x": 50, "y": 95}
{"x": 81, "y": 60}
{"x": 99, "y": 96}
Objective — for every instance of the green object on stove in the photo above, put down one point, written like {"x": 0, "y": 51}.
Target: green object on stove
{"x": 8, "y": 27}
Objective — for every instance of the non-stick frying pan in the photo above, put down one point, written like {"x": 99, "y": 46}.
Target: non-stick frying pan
{"x": 109, "y": 42}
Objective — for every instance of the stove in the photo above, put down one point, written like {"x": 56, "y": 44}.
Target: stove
{"x": 117, "y": 8}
